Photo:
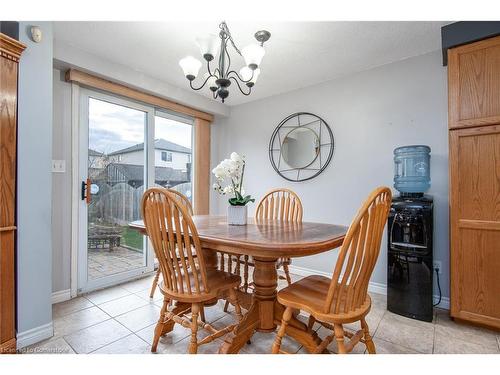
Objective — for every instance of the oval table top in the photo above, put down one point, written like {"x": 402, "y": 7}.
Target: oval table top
{"x": 265, "y": 238}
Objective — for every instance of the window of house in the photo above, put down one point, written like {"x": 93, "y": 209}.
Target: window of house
{"x": 174, "y": 133}
{"x": 166, "y": 156}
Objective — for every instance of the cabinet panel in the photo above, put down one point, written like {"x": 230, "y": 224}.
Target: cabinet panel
{"x": 8, "y": 87}
{"x": 479, "y": 254}
{"x": 475, "y": 224}
{"x": 7, "y": 289}
{"x": 474, "y": 84}
{"x": 478, "y": 177}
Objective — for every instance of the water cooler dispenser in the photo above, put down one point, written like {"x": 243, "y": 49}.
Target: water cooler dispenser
{"x": 410, "y": 232}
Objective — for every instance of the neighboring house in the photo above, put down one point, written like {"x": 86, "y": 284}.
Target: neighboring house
{"x": 167, "y": 154}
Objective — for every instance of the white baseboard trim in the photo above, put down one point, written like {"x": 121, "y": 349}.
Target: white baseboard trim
{"x": 61, "y": 296}
{"x": 34, "y": 335}
{"x": 373, "y": 287}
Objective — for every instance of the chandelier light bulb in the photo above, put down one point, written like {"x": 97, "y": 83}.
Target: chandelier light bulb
{"x": 246, "y": 74}
{"x": 212, "y": 84}
{"x": 209, "y": 46}
{"x": 190, "y": 66}
{"x": 253, "y": 55}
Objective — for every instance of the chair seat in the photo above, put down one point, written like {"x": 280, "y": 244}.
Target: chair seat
{"x": 217, "y": 281}
{"x": 309, "y": 294}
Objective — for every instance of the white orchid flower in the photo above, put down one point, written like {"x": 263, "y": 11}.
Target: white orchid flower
{"x": 220, "y": 172}
{"x": 236, "y": 158}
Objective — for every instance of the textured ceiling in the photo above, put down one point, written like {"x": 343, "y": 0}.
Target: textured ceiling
{"x": 298, "y": 54}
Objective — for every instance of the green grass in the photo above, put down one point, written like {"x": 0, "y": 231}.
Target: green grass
{"x": 132, "y": 238}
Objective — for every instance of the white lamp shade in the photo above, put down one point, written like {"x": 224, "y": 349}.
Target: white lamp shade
{"x": 253, "y": 54}
{"x": 209, "y": 45}
{"x": 245, "y": 73}
{"x": 211, "y": 82}
{"x": 256, "y": 73}
{"x": 190, "y": 66}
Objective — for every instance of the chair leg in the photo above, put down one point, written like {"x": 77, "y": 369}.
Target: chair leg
{"x": 226, "y": 306}
{"x": 155, "y": 283}
{"x": 160, "y": 324}
{"x": 245, "y": 274}
{"x": 310, "y": 323}
{"x": 233, "y": 297}
{"x": 202, "y": 313}
{"x": 193, "y": 344}
{"x": 287, "y": 315}
{"x": 370, "y": 346}
{"x": 287, "y": 274}
{"x": 339, "y": 336}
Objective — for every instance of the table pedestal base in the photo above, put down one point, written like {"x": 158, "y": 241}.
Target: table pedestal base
{"x": 265, "y": 313}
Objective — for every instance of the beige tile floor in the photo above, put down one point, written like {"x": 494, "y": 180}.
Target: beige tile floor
{"x": 103, "y": 262}
{"x": 121, "y": 320}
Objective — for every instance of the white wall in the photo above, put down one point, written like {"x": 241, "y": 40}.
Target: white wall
{"x": 370, "y": 114}
{"x": 34, "y": 184}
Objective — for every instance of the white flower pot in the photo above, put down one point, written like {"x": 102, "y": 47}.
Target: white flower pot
{"x": 237, "y": 215}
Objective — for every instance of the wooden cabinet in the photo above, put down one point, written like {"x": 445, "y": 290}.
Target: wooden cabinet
{"x": 474, "y": 121}
{"x": 10, "y": 50}
{"x": 474, "y": 84}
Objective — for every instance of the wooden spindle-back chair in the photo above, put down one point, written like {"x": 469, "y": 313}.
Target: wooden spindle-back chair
{"x": 277, "y": 204}
{"x": 344, "y": 298}
{"x": 186, "y": 280}
{"x": 182, "y": 199}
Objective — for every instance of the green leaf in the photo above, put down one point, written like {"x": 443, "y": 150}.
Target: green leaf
{"x": 240, "y": 201}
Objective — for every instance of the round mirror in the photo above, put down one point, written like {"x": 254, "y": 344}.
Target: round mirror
{"x": 300, "y": 147}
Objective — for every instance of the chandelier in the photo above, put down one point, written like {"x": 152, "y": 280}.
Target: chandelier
{"x": 219, "y": 79}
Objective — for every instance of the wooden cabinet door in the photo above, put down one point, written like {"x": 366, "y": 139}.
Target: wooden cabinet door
{"x": 475, "y": 224}
{"x": 10, "y": 51}
{"x": 474, "y": 84}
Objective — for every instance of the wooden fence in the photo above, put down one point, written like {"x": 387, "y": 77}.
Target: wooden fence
{"x": 120, "y": 203}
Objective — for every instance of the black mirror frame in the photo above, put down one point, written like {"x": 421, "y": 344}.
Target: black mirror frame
{"x": 272, "y": 151}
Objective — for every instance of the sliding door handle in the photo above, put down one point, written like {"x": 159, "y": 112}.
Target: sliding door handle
{"x": 86, "y": 196}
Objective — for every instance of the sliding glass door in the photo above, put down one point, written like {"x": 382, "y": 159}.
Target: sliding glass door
{"x": 125, "y": 147}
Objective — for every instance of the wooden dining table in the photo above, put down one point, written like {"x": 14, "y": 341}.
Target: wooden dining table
{"x": 265, "y": 241}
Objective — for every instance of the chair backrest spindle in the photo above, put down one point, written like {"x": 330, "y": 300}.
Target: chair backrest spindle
{"x": 280, "y": 204}
{"x": 169, "y": 225}
{"x": 358, "y": 254}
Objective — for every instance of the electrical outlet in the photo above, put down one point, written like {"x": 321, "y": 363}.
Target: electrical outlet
{"x": 437, "y": 264}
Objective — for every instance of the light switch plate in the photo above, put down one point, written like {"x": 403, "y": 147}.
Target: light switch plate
{"x": 58, "y": 166}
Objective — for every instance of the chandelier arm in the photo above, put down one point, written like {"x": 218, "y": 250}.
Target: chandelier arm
{"x": 241, "y": 79}
{"x": 238, "y": 84}
{"x": 208, "y": 68}
{"x": 203, "y": 85}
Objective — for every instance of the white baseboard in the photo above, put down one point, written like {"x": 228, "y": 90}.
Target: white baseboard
{"x": 61, "y": 296}
{"x": 34, "y": 335}
{"x": 373, "y": 287}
